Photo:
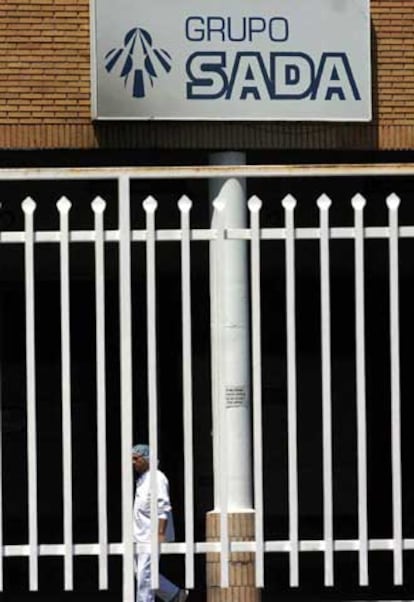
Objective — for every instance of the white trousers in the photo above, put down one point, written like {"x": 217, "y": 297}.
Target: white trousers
{"x": 145, "y": 593}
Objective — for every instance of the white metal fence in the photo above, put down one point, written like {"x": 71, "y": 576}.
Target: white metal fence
{"x": 186, "y": 236}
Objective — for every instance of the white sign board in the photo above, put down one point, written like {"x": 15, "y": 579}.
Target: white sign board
{"x": 290, "y": 60}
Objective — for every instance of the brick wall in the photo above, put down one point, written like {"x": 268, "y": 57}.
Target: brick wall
{"x": 45, "y": 90}
{"x": 44, "y": 72}
{"x": 394, "y": 41}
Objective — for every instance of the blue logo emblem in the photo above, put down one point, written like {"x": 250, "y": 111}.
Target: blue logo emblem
{"x": 138, "y": 62}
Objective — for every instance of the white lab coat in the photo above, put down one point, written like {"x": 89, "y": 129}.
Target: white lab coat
{"x": 142, "y": 534}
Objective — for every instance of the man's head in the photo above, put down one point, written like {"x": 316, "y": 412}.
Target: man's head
{"x": 140, "y": 457}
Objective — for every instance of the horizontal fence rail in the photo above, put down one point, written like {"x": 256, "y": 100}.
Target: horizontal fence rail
{"x": 208, "y": 171}
{"x": 125, "y": 236}
{"x": 335, "y": 233}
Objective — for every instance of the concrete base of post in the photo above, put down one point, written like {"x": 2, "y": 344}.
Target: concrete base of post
{"x": 241, "y": 570}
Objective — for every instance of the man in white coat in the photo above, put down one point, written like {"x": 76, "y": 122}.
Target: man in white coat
{"x": 142, "y": 528}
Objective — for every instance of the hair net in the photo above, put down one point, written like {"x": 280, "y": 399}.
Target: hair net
{"x": 141, "y": 450}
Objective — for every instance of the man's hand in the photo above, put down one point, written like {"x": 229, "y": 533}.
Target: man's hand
{"x": 162, "y": 527}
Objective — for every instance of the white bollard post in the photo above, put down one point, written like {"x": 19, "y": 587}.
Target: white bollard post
{"x": 233, "y": 513}
{"x": 231, "y": 338}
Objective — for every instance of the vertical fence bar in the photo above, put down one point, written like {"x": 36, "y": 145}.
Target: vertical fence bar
{"x": 214, "y": 361}
{"x": 324, "y": 203}
{"x": 184, "y": 205}
{"x": 255, "y": 205}
{"x": 64, "y": 206}
{"x": 126, "y": 384}
{"x": 358, "y": 204}
{"x": 29, "y": 207}
{"x": 219, "y": 206}
{"x": 150, "y": 207}
{"x": 393, "y": 203}
{"x": 215, "y": 393}
{"x": 289, "y": 204}
{"x": 98, "y": 207}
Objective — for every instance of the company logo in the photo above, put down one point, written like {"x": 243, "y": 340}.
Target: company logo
{"x": 248, "y": 73}
{"x": 138, "y": 62}
{"x": 283, "y": 76}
